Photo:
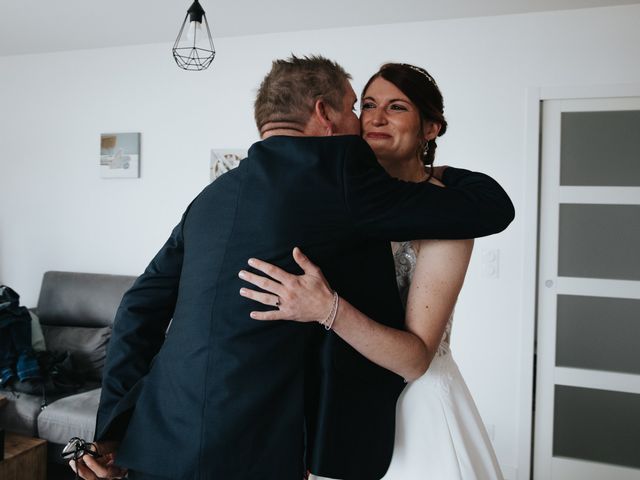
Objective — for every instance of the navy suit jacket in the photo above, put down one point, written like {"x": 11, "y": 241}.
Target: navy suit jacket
{"x": 224, "y": 396}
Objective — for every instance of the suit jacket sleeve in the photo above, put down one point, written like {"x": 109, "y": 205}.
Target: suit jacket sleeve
{"x": 138, "y": 333}
{"x": 472, "y": 204}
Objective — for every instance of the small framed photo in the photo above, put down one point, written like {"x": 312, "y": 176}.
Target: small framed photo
{"x": 224, "y": 160}
{"x": 120, "y": 155}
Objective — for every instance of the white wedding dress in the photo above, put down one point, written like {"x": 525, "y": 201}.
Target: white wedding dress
{"x": 439, "y": 432}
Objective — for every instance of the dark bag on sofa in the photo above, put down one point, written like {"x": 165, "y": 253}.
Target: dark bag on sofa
{"x": 17, "y": 358}
{"x": 60, "y": 377}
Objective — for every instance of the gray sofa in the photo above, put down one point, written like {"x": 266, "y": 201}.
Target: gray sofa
{"x": 76, "y": 311}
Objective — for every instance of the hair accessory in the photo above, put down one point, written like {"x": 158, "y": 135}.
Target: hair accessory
{"x": 327, "y": 323}
{"x": 421, "y": 71}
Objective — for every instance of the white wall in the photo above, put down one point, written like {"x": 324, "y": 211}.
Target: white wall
{"x": 57, "y": 214}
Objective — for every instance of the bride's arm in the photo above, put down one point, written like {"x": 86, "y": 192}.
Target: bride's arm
{"x": 437, "y": 280}
{"x": 308, "y": 298}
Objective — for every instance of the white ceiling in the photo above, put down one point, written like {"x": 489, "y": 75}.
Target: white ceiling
{"x": 38, "y": 26}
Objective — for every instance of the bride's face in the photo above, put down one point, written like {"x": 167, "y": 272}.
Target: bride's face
{"x": 390, "y": 122}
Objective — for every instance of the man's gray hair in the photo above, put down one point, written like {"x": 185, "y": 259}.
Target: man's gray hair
{"x": 289, "y": 91}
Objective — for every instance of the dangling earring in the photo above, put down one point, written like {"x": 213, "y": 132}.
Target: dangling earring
{"x": 425, "y": 150}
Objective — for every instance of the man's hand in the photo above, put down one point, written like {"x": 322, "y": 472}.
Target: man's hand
{"x": 103, "y": 467}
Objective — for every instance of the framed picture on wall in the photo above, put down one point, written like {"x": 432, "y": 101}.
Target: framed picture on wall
{"x": 224, "y": 160}
{"x": 120, "y": 155}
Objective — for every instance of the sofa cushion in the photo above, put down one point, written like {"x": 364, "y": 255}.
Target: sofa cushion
{"x": 81, "y": 299}
{"x": 37, "y": 339}
{"x": 20, "y": 413}
{"x": 73, "y": 416}
{"x": 87, "y": 346}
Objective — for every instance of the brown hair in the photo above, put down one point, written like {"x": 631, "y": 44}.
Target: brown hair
{"x": 422, "y": 90}
{"x": 289, "y": 91}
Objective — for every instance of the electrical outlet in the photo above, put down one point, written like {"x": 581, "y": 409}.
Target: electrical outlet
{"x": 491, "y": 263}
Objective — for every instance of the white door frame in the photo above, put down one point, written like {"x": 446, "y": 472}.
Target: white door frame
{"x": 530, "y": 221}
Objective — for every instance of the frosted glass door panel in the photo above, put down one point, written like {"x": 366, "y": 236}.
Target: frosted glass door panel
{"x": 587, "y": 404}
{"x": 600, "y": 148}
{"x": 598, "y": 333}
{"x": 599, "y": 241}
{"x": 597, "y": 425}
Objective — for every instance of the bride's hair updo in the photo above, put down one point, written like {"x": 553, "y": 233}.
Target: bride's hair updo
{"x": 422, "y": 90}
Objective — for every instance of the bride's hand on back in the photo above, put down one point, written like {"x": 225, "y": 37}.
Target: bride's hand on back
{"x": 303, "y": 298}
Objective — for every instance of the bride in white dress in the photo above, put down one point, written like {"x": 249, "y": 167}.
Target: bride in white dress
{"x": 439, "y": 432}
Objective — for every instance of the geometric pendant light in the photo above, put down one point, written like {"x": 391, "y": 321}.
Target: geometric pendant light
{"x": 194, "y": 48}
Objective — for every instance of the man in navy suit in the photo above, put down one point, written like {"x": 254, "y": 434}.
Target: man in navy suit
{"x": 222, "y": 396}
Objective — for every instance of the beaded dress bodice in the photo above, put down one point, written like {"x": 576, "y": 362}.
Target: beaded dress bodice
{"x": 405, "y": 259}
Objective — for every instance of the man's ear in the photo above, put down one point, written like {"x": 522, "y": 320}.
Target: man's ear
{"x": 430, "y": 130}
{"x": 321, "y": 114}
